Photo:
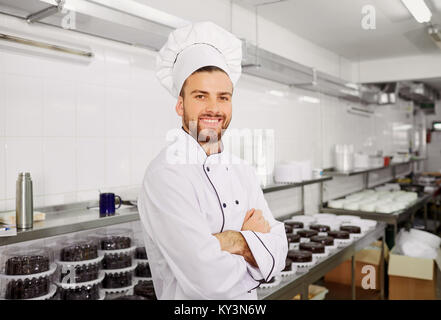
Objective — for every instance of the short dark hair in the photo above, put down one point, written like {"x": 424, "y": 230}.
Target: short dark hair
{"x": 203, "y": 69}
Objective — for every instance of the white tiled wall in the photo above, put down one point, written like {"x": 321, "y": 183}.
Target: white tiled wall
{"x": 82, "y": 128}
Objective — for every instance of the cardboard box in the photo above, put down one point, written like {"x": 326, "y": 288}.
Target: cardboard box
{"x": 370, "y": 256}
{"x": 314, "y": 293}
{"x": 412, "y": 278}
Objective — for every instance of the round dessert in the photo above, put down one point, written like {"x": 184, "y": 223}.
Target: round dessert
{"x": 288, "y": 229}
{"x": 307, "y": 233}
{"x": 115, "y": 243}
{"x": 27, "y": 288}
{"x": 313, "y": 247}
{"x": 319, "y": 227}
{"x": 80, "y": 293}
{"x": 79, "y": 252}
{"x": 27, "y": 264}
{"x": 339, "y": 234}
{"x": 325, "y": 240}
{"x": 140, "y": 253}
{"x": 145, "y": 289}
{"x": 82, "y": 273}
{"x": 298, "y": 256}
{"x": 351, "y": 229}
{"x": 294, "y": 224}
{"x": 288, "y": 264}
{"x": 116, "y": 261}
{"x": 117, "y": 280}
{"x": 293, "y": 238}
{"x": 143, "y": 270}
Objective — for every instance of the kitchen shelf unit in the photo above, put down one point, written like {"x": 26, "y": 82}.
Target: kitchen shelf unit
{"x": 299, "y": 283}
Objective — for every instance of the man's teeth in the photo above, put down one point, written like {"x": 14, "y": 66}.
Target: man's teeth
{"x": 210, "y": 120}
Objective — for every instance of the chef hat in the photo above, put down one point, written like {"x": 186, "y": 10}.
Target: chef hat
{"x": 195, "y": 46}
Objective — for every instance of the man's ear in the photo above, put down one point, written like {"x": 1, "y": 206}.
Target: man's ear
{"x": 180, "y": 106}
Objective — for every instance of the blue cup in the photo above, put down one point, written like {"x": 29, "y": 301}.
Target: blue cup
{"x": 107, "y": 204}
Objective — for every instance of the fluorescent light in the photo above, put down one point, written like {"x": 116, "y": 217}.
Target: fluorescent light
{"x": 101, "y": 8}
{"x": 350, "y": 92}
{"x": 309, "y": 99}
{"x": 276, "y": 93}
{"x": 418, "y": 9}
{"x": 352, "y": 86}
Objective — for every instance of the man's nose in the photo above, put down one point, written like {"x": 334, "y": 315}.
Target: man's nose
{"x": 212, "y": 105}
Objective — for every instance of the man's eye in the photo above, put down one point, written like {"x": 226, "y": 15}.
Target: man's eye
{"x": 200, "y": 96}
{"x": 225, "y": 98}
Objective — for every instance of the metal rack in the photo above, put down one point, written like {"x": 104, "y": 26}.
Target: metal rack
{"x": 283, "y": 186}
{"x": 394, "y": 219}
{"x": 365, "y": 172}
{"x": 298, "y": 284}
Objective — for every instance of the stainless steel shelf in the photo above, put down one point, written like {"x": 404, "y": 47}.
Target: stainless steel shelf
{"x": 385, "y": 217}
{"x": 333, "y": 173}
{"x": 282, "y": 186}
{"x": 70, "y": 218}
{"x": 293, "y": 285}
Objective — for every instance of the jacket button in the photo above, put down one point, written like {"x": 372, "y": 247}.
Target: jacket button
{"x": 237, "y": 201}
{"x": 208, "y": 169}
{"x": 224, "y": 205}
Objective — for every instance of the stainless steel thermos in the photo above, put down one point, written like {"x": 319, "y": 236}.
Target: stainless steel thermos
{"x": 24, "y": 208}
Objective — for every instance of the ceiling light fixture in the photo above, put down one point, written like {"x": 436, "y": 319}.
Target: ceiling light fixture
{"x": 130, "y": 7}
{"x": 418, "y": 9}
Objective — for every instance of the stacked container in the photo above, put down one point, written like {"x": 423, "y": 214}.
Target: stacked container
{"x": 27, "y": 274}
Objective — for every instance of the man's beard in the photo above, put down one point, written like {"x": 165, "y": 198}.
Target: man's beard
{"x": 205, "y": 134}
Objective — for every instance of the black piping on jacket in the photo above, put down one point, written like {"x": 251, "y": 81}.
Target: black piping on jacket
{"x": 274, "y": 261}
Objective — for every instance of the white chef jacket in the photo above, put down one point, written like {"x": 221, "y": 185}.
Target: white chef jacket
{"x": 186, "y": 197}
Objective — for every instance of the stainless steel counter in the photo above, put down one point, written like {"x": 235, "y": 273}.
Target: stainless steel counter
{"x": 70, "y": 218}
{"x": 298, "y": 284}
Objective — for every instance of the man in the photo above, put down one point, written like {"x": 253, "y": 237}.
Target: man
{"x": 208, "y": 231}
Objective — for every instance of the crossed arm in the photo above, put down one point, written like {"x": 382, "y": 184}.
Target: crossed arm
{"x": 235, "y": 243}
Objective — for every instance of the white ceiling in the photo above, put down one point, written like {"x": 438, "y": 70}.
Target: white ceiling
{"x": 336, "y": 26}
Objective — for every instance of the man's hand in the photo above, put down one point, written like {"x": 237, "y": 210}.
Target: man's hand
{"x": 234, "y": 243}
{"x": 254, "y": 221}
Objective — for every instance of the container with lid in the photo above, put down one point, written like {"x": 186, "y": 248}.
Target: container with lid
{"x": 301, "y": 259}
{"x": 27, "y": 273}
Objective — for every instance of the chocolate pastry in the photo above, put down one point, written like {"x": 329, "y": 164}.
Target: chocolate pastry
{"x": 117, "y": 260}
{"x": 294, "y": 224}
{"x": 293, "y": 238}
{"x": 326, "y": 240}
{"x": 288, "y": 264}
{"x": 288, "y": 229}
{"x": 117, "y": 280}
{"x": 313, "y": 247}
{"x": 307, "y": 233}
{"x": 79, "y": 293}
{"x": 27, "y": 264}
{"x": 320, "y": 227}
{"x": 83, "y": 273}
{"x": 79, "y": 252}
{"x": 145, "y": 289}
{"x": 140, "y": 253}
{"x": 143, "y": 270}
{"x": 115, "y": 243}
{"x": 300, "y": 256}
{"x": 339, "y": 234}
{"x": 351, "y": 229}
{"x": 27, "y": 288}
